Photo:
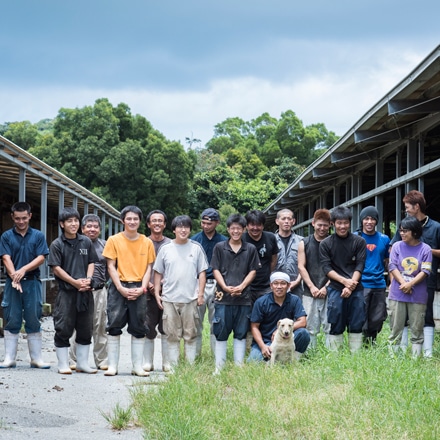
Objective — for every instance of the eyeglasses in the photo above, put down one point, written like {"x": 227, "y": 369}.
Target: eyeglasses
{"x": 404, "y": 231}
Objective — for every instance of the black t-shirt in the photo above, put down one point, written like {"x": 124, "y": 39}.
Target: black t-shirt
{"x": 267, "y": 247}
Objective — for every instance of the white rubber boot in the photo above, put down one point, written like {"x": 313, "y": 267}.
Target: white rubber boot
{"x": 220, "y": 355}
{"x": 63, "y": 360}
{"x": 173, "y": 354}
{"x": 416, "y": 350}
{"x": 212, "y": 341}
{"x": 404, "y": 340}
{"x": 239, "y": 351}
{"x": 428, "y": 342}
{"x": 355, "y": 341}
{"x": 313, "y": 341}
{"x": 335, "y": 342}
{"x": 34, "y": 344}
{"x": 72, "y": 351}
{"x": 165, "y": 358}
{"x": 137, "y": 353}
{"x": 199, "y": 345}
{"x": 82, "y": 359}
{"x": 113, "y": 344}
{"x": 11, "y": 344}
{"x": 190, "y": 349}
{"x": 148, "y": 355}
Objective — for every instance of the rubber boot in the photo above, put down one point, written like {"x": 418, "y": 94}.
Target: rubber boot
{"x": 313, "y": 341}
{"x": 355, "y": 341}
{"x": 82, "y": 359}
{"x": 297, "y": 355}
{"x": 137, "y": 353}
{"x": 220, "y": 355}
{"x": 113, "y": 344}
{"x": 63, "y": 360}
{"x": 173, "y": 354}
{"x": 11, "y": 344}
{"x": 190, "y": 349}
{"x": 416, "y": 350}
{"x": 148, "y": 355}
{"x": 212, "y": 340}
{"x": 72, "y": 351}
{"x": 404, "y": 340}
{"x": 165, "y": 358}
{"x": 199, "y": 345}
{"x": 239, "y": 351}
{"x": 335, "y": 342}
{"x": 428, "y": 342}
{"x": 34, "y": 344}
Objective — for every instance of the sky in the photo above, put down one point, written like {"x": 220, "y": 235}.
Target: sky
{"x": 188, "y": 65}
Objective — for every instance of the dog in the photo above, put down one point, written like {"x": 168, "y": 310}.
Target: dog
{"x": 283, "y": 345}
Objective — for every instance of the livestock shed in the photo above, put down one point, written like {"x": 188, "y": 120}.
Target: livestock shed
{"x": 23, "y": 177}
{"x": 392, "y": 149}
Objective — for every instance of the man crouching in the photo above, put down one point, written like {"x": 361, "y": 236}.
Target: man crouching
{"x": 266, "y": 313}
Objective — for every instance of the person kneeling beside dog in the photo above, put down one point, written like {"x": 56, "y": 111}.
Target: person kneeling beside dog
{"x": 268, "y": 310}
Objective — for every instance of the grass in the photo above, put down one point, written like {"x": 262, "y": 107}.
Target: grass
{"x": 120, "y": 418}
{"x": 368, "y": 395}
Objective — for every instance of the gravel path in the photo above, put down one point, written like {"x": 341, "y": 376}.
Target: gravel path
{"x": 42, "y": 404}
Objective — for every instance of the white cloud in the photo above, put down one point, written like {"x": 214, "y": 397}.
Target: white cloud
{"x": 337, "y": 99}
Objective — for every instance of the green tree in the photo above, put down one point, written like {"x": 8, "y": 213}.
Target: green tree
{"x": 24, "y": 134}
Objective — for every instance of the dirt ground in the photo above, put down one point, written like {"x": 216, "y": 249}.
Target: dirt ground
{"x": 42, "y": 404}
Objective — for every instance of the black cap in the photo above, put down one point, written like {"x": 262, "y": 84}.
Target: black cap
{"x": 369, "y": 211}
{"x": 210, "y": 214}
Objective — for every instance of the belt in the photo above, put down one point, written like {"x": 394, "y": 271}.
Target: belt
{"x": 99, "y": 286}
{"x": 131, "y": 283}
{"x": 210, "y": 281}
{"x": 29, "y": 277}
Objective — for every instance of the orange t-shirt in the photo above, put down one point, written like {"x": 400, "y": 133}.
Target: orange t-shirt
{"x": 132, "y": 256}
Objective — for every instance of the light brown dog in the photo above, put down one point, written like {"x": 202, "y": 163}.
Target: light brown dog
{"x": 283, "y": 345}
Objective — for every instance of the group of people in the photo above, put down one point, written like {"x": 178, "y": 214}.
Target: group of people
{"x": 246, "y": 282}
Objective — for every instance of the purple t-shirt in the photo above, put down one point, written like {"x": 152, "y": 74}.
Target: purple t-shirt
{"x": 410, "y": 261}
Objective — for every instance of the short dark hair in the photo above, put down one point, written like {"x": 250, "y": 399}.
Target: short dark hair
{"x": 341, "y": 213}
{"x": 130, "y": 208}
{"x": 414, "y": 197}
{"x": 21, "y": 207}
{"x": 67, "y": 213}
{"x": 236, "y": 218}
{"x": 412, "y": 224}
{"x": 90, "y": 218}
{"x": 181, "y": 220}
{"x": 255, "y": 217}
{"x": 155, "y": 211}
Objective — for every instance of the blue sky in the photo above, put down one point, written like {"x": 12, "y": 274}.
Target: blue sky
{"x": 188, "y": 65}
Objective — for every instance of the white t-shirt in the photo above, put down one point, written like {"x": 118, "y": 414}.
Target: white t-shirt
{"x": 180, "y": 265}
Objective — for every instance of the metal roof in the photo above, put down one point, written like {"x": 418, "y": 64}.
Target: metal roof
{"x": 14, "y": 160}
{"x": 411, "y": 107}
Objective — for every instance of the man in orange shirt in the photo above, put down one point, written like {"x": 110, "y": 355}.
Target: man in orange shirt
{"x": 130, "y": 257}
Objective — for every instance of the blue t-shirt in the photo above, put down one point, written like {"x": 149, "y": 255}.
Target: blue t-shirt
{"x": 23, "y": 250}
{"x": 267, "y": 313}
{"x": 208, "y": 247}
{"x": 378, "y": 246}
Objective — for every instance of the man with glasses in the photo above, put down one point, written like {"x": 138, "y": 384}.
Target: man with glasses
{"x": 415, "y": 206}
{"x": 179, "y": 285}
{"x": 268, "y": 310}
{"x": 156, "y": 222}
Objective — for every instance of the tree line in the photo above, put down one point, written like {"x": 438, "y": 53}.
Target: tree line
{"x": 124, "y": 160}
